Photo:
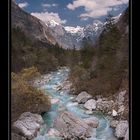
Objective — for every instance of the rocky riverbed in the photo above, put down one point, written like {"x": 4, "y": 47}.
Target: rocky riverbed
{"x": 74, "y": 117}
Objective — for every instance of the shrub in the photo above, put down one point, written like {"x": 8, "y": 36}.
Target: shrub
{"x": 25, "y": 97}
{"x": 29, "y": 73}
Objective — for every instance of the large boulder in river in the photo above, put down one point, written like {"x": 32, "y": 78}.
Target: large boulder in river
{"x": 83, "y": 97}
{"x": 121, "y": 129}
{"x": 28, "y": 125}
{"x": 72, "y": 127}
{"x": 90, "y": 104}
{"x": 93, "y": 122}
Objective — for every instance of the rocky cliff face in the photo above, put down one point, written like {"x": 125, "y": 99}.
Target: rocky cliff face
{"x": 123, "y": 23}
{"x": 32, "y": 27}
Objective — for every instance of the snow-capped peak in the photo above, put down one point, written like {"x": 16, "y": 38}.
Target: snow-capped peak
{"x": 116, "y": 18}
{"x": 53, "y": 23}
{"x": 73, "y": 30}
{"x": 97, "y": 22}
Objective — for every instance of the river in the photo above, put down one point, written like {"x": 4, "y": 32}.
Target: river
{"x": 102, "y": 132}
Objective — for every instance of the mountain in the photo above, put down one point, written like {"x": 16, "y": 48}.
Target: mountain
{"x": 32, "y": 26}
{"x": 69, "y": 37}
{"x": 32, "y": 43}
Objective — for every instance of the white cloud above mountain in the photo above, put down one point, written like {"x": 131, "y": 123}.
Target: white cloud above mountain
{"x": 45, "y": 5}
{"x": 95, "y": 8}
{"x": 46, "y": 16}
{"x": 23, "y": 4}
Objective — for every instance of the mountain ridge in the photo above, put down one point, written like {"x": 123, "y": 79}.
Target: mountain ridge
{"x": 33, "y": 27}
{"x": 69, "y": 37}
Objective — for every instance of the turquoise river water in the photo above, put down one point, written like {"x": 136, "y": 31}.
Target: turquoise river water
{"x": 102, "y": 132}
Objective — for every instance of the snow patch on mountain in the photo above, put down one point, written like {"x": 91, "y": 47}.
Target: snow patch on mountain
{"x": 116, "y": 18}
{"x": 73, "y": 30}
{"x": 52, "y": 23}
{"x": 68, "y": 36}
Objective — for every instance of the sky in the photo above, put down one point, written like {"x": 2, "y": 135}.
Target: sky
{"x": 73, "y": 12}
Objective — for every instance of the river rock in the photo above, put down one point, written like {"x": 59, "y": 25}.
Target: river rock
{"x": 53, "y": 132}
{"x": 127, "y": 135}
{"x": 121, "y": 109}
{"x": 114, "y": 123}
{"x": 58, "y": 88}
{"x": 28, "y": 125}
{"x": 104, "y": 106}
{"x": 120, "y": 98}
{"x": 83, "y": 97}
{"x": 67, "y": 85}
{"x": 98, "y": 97}
{"x": 109, "y": 113}
{"x": 72, "y": 127}
{"x": 114, "y": 113}
{"x": 90, "y": 104}
{"x": 121, "y": 129}
{"x": 93, "y": 122}
{"x": 42, "y": 80}
{"x": 99, "y": 100}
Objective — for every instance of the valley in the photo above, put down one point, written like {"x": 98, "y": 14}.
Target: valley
{"x": 69, "y": 82}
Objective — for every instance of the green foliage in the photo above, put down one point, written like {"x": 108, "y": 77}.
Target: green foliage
{"x": 104, "y": 67}
{"x": 30, "y": 73}
{"x": 80, "y": 73}
{"x": 111, "y": 63}
{"x": 25, "y": 97}
{"x": 87, "y": 52}
{"x": 109, "y": 39}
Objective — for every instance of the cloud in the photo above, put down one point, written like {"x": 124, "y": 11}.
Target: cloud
{"x": 84, "y": 18}
{"x": 54, "y": 5}
{"x": 46, "y": 16}
{"x": 45, "y": 5}
{"x": 23, "y": 5}
{"x": 95, "y": 8}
